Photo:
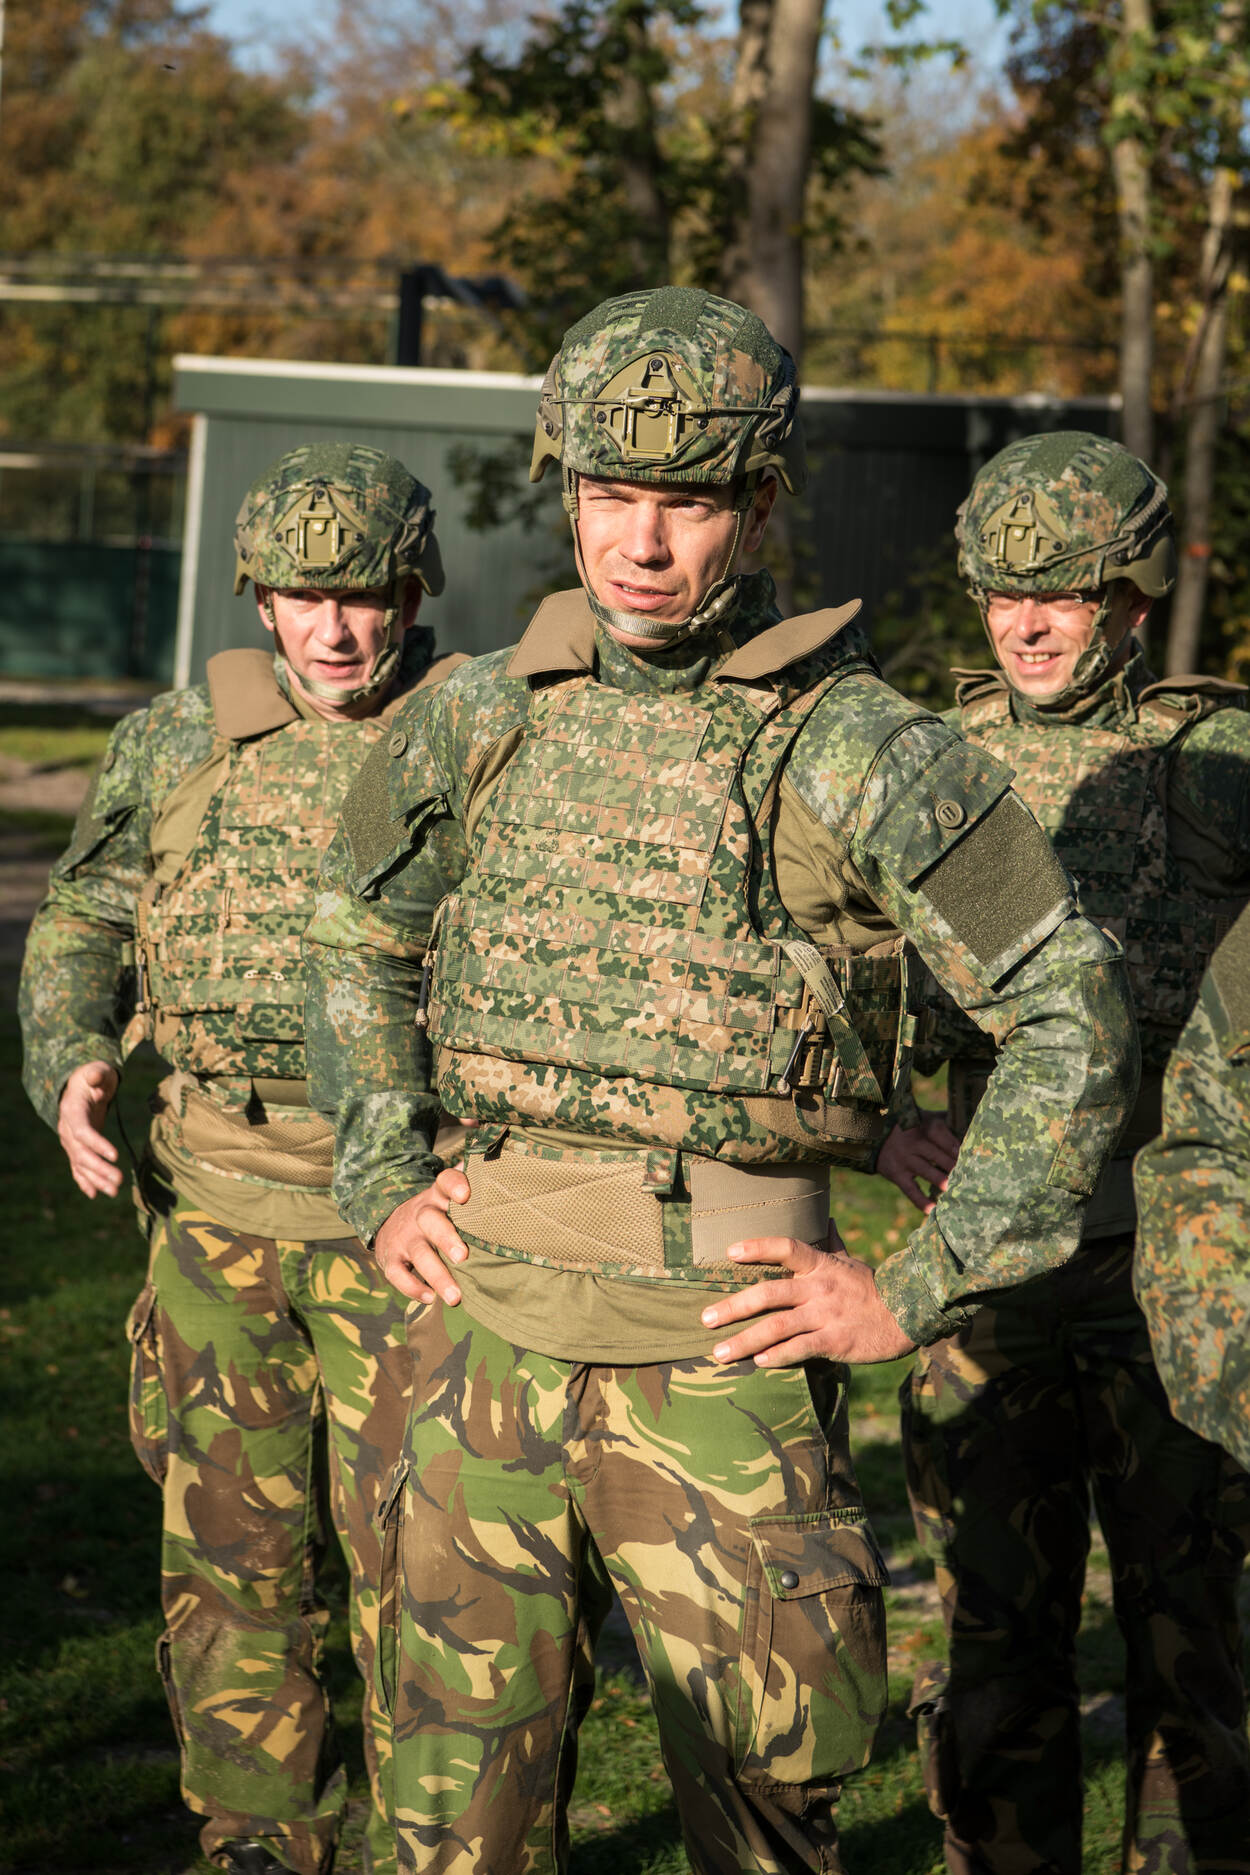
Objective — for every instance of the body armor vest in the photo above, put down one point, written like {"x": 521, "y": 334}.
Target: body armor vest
{"x": 221, "y": 941}
{"x": 602, "y": 967}
{"x": 1101, "y": 794}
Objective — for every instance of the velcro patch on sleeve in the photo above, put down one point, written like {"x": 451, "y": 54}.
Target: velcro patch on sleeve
{"x": 1001, "y": 888}
{"x": 1230, "y": 983}
{"x": 375, "y": 835}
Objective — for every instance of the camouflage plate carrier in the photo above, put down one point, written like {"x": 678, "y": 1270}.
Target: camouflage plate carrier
{"x": 1101, "y": 795}
{"x": 602, "y": 965}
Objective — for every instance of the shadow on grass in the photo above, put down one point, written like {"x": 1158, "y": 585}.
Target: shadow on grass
{"x": 648, "y": 1843}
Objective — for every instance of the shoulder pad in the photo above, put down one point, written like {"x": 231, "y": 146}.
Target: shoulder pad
{"x": 559, "y": 638}
{"x": 1186, "y": 699}
{"x": 441, "y": 667}
{"x": 778, "y": 646}
{"x": 246, "y": 697}
{"x": 1230, "y": 984}
{"x": 399, "y": 788}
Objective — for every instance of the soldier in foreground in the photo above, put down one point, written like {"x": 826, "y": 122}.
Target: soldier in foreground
{"x": 264, "y": 1330}
{"x": 658, "y": 861}
{"x": 1050, "y": 1391}
{"x": 1192, "y": 1271}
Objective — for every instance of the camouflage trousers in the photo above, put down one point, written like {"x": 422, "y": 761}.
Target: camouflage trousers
{"x": 1008, "y": 1426}
{"x": 720, "y": 1505}
{"x": 253, "y": 1361}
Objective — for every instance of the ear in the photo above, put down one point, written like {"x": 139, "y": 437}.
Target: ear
{"x": 1138, "y": 606}
{"x": 264, "y": 605}
{"x": 411, "y": 604}
{"x": 761, "y": 508}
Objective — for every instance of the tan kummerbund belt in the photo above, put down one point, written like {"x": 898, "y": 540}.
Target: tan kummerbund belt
{"x": 233, "y": 1141}
{"x": 584, "y": 1212}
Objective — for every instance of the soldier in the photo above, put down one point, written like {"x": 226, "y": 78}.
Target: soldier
{"x": 264, "y": 1331}
{"x": 645, "y": 877}
{"x": 1192, "y": 1270}
{"x": 1144, "y": 786}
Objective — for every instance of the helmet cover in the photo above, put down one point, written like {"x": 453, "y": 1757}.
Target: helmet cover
{"x": 670, "y": 385}
{"x": 1066, "y": 511}
{"x": 337, "y": 517}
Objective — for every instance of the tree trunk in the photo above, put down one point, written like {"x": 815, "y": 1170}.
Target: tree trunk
{"x": 769, "y": 158}
{"x": 1203, "y": 380}
{"x": 630, "y": 109}
{"x": 1130, "y": 165}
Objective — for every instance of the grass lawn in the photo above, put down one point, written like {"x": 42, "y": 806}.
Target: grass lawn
{"x": 88, "y": 1773}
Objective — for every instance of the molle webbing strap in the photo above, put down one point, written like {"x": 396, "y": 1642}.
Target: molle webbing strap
{"x": 578, "y": 1211}
{"x": 246, "y": 698}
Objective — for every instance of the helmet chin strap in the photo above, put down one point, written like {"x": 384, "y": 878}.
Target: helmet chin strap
{"x": 381, "y": 671}
{"x": 716, "y": 605}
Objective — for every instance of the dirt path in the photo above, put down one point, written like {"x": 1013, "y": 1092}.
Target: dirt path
{"x": 26, "y": 856}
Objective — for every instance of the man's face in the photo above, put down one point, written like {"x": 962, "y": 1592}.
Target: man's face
{"x": 1039, "y": 637}
{"x": 333, "y": 637}
{"x": 656, "y": 550}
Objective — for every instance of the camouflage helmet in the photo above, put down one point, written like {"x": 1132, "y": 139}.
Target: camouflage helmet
{"x": 340, "y": 517}
{"x": 337, "y": 517}
{"x": 670, "y": 385}
{"x": 1066, "y": 511}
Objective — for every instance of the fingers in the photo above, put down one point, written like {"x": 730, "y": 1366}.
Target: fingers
{"x": 451, "y": 1187}
{"x": 418, "y": 1241}
{"x": 912, "y": 1192}
{"x": 93, "y": 1158}
{"x": 745, "y": 1303}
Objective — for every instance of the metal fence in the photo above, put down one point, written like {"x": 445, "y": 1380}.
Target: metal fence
{"x": 90, "y": 557}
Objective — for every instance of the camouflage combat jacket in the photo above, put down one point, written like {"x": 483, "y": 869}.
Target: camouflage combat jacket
{"x": 1191, "y": 1270}
{"x": 175, "y": 915}
{"x": 1144, "y": 788}
{"x": 880, "y": 822}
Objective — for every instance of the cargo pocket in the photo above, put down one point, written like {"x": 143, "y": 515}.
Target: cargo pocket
{"x": 149, "y": 1407}
{"x": 390, "y": 1517}
{"x": 813, "y": 1662}
{"x": 934, "y": 1738}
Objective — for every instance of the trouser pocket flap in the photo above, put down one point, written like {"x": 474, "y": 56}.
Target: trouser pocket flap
{"x": 806, "y": 1555}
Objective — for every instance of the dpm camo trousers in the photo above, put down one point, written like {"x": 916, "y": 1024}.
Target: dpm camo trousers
{"x": 251, "y": 1358}
{"x": 1007, "y": 1427}
{"x": 719, "y": 1503}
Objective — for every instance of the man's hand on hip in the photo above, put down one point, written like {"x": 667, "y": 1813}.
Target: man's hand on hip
{"x": 418, "y": 1240}
{"x": 829, "y": 1308}
{"x": 85, "y": 1101}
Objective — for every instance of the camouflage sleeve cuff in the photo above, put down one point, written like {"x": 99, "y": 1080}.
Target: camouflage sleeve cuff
{"x": 46, "y": 1070}
{"x": 368, "y": 1209}
{"x": 905, "y": 1290}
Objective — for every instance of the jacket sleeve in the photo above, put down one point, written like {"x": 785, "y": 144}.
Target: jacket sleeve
{"x": 1191, "y": 1269}
{"x": 398, "y": 851}
{"x": 959, "y": 864}
{"x": 77, "y": 969}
